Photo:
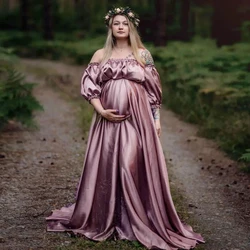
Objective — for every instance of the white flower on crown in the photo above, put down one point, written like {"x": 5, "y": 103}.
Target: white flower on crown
{"x": 107, "y": 17}
{"x": 131, "y": 14}
{"x": 118, "y": 10}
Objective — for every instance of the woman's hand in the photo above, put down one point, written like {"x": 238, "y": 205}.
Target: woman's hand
{"x": 110, "y": 115}
{"x": 158, "y": 126}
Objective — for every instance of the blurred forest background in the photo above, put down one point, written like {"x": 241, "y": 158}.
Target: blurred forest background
{"x": 201, "y": 49}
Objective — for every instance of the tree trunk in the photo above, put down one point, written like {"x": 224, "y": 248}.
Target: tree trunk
{"x": 48, "y": 20}
{"x": 171, "y": 15}
{"x": 24, "y": 6}
{"x": 13, "y": 4}
{"x": 76, "y": 3}
{"x": 226, "y": 23}
{"x": 160, "y": 22}
{"x": 185, "y": 20}
{"x": 245, "y": 10}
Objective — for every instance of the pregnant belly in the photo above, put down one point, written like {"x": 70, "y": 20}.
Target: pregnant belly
{"x": 115, "y": 95}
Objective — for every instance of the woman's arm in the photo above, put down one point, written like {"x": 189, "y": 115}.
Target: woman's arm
{"x": 97, "y": 57}
{"x": 153, "y": 87}
{"x": 109, "y": 114}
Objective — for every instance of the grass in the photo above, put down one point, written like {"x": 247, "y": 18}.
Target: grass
{"x": 245, "y": 168}
{"x": 80, "y": 243}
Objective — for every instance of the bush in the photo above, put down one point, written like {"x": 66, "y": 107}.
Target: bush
{"x": 31, "y": 45}
{"x": 16, "y": 100}
{"x": 245, "y": 30}
{"x": 17, "y": 39}
{"x": 209, "y": 86}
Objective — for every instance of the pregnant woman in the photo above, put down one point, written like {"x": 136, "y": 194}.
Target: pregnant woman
{"x": 124, "y": 189}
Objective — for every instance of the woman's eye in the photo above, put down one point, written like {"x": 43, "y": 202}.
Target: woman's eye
{"x": 119, "y": 23}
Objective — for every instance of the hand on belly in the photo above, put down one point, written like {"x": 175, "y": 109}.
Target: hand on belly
{"x": 113, "y": 115}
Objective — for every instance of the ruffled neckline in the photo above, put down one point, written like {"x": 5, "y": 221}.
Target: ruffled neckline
{"x": 121, "y": 59}
{"x": 117, "y": 60}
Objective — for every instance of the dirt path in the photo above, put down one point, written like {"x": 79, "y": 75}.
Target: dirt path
{"x": 216, "y": 191}
{"x": 40, "y": 170}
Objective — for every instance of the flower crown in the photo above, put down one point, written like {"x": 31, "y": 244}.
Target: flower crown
{"x": 126, "y": 11}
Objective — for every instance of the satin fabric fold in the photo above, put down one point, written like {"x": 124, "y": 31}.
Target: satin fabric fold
{"x": 124, "y": 188}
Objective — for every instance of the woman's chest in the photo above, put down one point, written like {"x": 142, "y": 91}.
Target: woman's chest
{"x": 122, "y": 69}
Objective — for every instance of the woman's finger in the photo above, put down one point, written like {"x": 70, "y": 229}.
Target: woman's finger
{"x": 118, "y": 118}
{"x": 159, "y": 131}
{"x": 112, "y": 110}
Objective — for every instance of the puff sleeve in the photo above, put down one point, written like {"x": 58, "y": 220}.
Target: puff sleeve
{"x": 90, "y": 87}
{"x": 152, "y": 84}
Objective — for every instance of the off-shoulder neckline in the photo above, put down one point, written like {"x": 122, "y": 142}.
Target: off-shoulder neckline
{"x": 117, "y": 60}
{"x": 121, "y": 59}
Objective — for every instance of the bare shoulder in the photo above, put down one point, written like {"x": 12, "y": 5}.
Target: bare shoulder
{"x": 146, "y": 56}
{"x": 98, "y": 55}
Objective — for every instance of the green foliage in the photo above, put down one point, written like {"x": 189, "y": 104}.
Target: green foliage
{"x": 202, "y": 16}
{"x": 209, "y": 86}
{"x": 6, "y": 56}
{"x": 17, "y": 38}
{"x": 79, "y": 51}
{"x": 108, "y": 245}
{"x": 246, "y": 156}
{"x": 10, "y": 19}
{"x": 245, "y": 29}
{"x": 16, "y": 100}
{"x": 75, "y": 52}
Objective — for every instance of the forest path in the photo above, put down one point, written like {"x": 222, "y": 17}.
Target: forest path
{"x": 40, "y": 170}
{"x": 214, "y": 189}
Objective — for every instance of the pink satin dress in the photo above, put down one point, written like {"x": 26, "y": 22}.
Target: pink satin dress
{"x": 124, "y": 188}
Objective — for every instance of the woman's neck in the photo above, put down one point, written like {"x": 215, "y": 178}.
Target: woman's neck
{"x": 122, "y": 44}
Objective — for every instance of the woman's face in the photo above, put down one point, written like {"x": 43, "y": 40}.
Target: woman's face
{"x": 120, "y": 27}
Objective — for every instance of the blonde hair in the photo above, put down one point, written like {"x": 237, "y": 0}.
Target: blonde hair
{"x": 134, "y": 41}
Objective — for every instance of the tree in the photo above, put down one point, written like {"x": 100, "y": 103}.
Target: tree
{"x": 160, "y": 23}
{"x": 226, "y": 22}
{"x": 24, "y": 6}
{"x": 48, "y": 20}
{"x": 185, "y": 20}
{"x": 171, "y": 19}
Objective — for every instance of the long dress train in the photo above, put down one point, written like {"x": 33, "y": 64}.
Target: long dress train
{"x": 124, "y": 187}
